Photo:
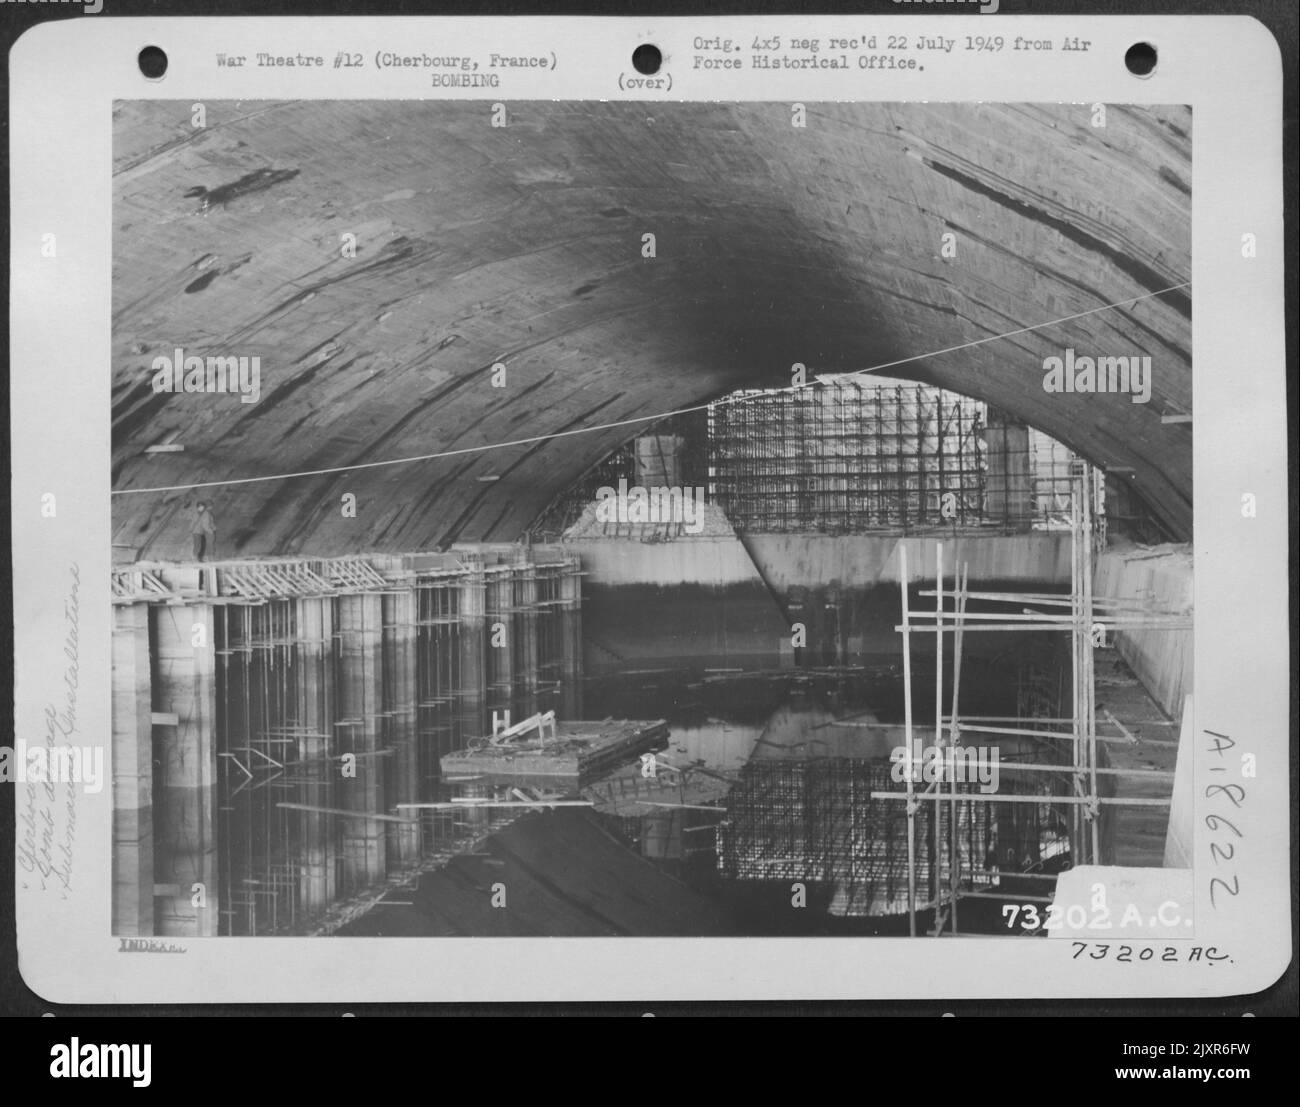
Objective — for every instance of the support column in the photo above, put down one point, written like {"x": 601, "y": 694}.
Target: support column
{"x": 1010, "y": 489}
{"x": 185, "y": 850}
{"x": 403, "y": 767}
{"x": 360, "y": 688}
{"x": 470, "y": 691}
{"x": 526, "y": 624}
{"x": 658, "y": 460}
{"x": 477, "y": 818}
{"x": 316, "y": 881}
{"x": 132, "y": 759}
{"x": 571, "y": 639}
{"x": 501, "y": 645}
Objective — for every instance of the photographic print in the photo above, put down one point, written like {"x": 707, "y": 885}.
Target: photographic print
{"x": 525, "y": 501}
{"x": 718, "y": 539}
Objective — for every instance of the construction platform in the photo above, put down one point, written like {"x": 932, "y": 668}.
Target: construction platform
{"x": 579, "y": 751}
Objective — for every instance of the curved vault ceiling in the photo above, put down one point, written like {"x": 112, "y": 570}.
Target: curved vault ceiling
{"x": 523, "y": 245}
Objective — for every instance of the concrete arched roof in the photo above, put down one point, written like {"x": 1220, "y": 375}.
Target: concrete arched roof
{"x": 523, "y": 245}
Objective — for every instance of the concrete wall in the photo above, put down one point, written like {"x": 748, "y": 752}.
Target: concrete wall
{"x": 1180, "y": 838}
{"x": 736, "y": 599}
{"x": 1161, "y": 659}
{"x": 693, "y": 599}
{"x": 713, "y": 562}
{"x": 790, "y": 560}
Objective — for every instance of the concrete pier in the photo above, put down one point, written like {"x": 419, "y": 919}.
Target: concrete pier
{"x": 1010, "y": 482}
{"x": 402, "y": 769}
{"x": 185, "y": 832}
{"x": 288, "y": 707}
{"x": 360, "y": 702}
{"x": 471, "y": 689}
{"x": 132, "y": 758}
{"x": 317, "y": 859}
{"x": 571, "y": 639}
{"x": 501, "y": 644}
{"x": 527, "y": 627}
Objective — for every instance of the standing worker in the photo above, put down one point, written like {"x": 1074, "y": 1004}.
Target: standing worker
{"x": 204, "y": 532}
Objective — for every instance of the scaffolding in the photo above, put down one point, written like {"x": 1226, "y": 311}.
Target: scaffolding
{"x": 814, "y": 821}
{"x": 968, "y": 806}
{"x": 1067, "y": 761}
{"x": 842, "y": 456}
{"x": 848, "y": 457}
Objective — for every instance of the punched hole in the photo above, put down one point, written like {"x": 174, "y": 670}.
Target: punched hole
{"x": 647, "y": 59}
{"x": 152, "y": 62}
{"x": 1140, "y": 58}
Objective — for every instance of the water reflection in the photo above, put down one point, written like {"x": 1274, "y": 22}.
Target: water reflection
{"x": 773, "y": 776}
{"x": 306, "y": 774}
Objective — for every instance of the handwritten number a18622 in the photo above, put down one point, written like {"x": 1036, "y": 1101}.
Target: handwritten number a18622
{"x": 1236, "y": 795}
